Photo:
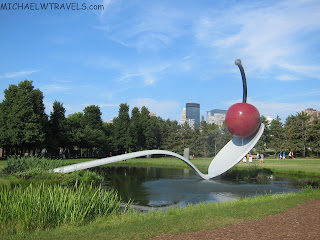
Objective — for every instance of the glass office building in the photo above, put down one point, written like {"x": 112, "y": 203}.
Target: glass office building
{"x": 193, "y": 112}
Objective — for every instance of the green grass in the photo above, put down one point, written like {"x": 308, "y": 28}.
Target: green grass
{"x": 308, "y": 167}
{"x": 3, "y": 162}
{"x": 176, "y": 221}
{"x": 300, "y": 167}
{"x": 296, "y": 166}
{"x": 192, "y": 218}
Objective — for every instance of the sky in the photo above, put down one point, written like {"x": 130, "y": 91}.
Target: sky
{"x": 164, "y": 53}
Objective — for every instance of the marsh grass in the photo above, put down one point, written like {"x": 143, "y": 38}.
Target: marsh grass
{"x": 251, "y": 172}
{"x": 49, "y": 206}
{"x": 37, "y": 170}
{"x": 177, "y": 221}
{"x": 24, "y": 164}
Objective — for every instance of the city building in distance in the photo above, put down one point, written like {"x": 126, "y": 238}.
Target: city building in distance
{"x": 312, "y": 113}
{"x": 193, "y": 112}
{"x": 216, "y": 116}
{"x": 183, "y": 116}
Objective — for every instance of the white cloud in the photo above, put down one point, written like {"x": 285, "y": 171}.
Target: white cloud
{"x": 286, "y": 78}
{"x": 263, "y": 36}
{"x": 282, "y": 109}
{"x": 145, "y": 26}
{"x": 279, "y": 108}
{"x": 106, "y": 4}
{"x": 149, "y": 79}
{"x": 103, "y": 105}
{"x": 310, "y": 71}
{"x": 164, "y": 109}
{"x": 54, "y": 88}
{"x": 18, "y": 74}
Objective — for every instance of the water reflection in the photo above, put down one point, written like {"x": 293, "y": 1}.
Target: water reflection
{"x": 154, "y": 186}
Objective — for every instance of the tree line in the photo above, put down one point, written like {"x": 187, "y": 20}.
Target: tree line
{"x": 300, "y": 133}
{"x": 26, "y": 128}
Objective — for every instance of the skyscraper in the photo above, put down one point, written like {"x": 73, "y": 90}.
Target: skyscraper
{"x": 193, "y": 112}
{"x": 216, "y": 116}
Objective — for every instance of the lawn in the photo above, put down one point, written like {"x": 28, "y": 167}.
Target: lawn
{"x": 298, "y": 166}
{"x": 302, "y": 166}
{"x": 191, "y": 218}
{"x": 176, "y": 221}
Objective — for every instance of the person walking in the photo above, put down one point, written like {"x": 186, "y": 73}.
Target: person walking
{"x": 261, "y": 158}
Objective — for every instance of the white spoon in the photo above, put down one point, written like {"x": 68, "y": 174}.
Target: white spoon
{"x": 228, "y": 156}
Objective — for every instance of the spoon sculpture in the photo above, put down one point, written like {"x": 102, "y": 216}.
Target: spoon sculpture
{"x": 242, "y": 120}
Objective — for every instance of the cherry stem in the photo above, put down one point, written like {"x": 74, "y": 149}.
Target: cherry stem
{"x": 244, "y": 81}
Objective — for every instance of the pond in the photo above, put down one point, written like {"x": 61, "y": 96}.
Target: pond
{"x": 160, "y": 187}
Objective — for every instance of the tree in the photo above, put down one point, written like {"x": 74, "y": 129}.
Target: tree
{"x": 23, "y": 119}
{"x": 92, "y": 117}
{"x": 208, "y": 136}
{"x": 315, "y": 134}
{"x": 75, "y": 131}
{"x": 297, "y": 134}
{"x": 221, "y": 138}
{"x": 135, "y": 130}
{"x": 144, "y": 120}
{"x": 185, "y": 133}
{"x": 108, "y": 142}
{"x": 276, "y": 135}
{"x": 171, "y": 139}
{"x": 57, "y": 122}
{"x": 264, "y": 141}
{"x": 151, "y": 133}
{"x": 122, "y": 140}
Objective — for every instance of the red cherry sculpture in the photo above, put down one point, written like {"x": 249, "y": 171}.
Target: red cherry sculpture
{"x": 243, "y": 119}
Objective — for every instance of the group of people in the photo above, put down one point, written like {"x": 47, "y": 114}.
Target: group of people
{"x": 282, "y": 155}
{"x": 260, "y": 156}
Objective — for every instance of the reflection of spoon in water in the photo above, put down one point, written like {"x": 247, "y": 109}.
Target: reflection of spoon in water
{"x": 238, "y": 118}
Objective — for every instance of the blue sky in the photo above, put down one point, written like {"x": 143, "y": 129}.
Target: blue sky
{"x": 164, "y": 53}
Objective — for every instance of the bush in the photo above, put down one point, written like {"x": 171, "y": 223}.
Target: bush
{"x": 253, "y": 172}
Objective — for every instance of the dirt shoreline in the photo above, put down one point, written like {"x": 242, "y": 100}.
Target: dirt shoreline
{"x": 300, "y": 222}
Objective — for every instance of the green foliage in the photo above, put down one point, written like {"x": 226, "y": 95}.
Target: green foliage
{"x": 297, "y": 134}
{"x": 315, "y": 135}
{"x": 252, "y": 172}
{"x": 121, "y": 134}
{"x": 25, "y": 127}
{"x": 181, "y": 220}
{"x": 22, "y": 117}
{"x": 83, "y": 176}
{"x": 57, "y": 128}
{"x": 45, "y": 206}
{"x": 264, "y": 141}
{"x": 276, "y": 135}
{"x": 23, "y": 164}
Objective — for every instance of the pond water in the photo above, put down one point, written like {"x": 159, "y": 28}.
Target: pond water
{"x": 159, "y": 187}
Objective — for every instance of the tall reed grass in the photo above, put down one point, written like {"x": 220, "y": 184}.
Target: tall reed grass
{"x": 252, "y": 172}
{"x": 49, "y": 206}
{"x": 22, "y": 164}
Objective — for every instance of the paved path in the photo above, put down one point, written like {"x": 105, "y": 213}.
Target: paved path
{"x": 299, "y": 223}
